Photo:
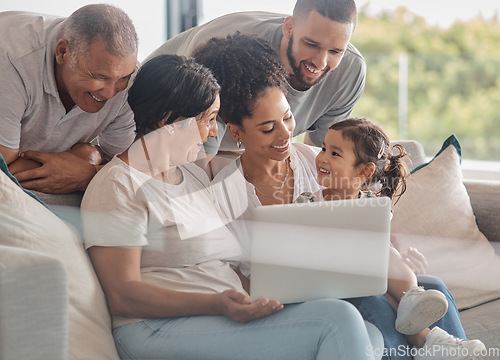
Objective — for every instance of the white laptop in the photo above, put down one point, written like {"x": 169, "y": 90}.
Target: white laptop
{"x": 330, "y": 249}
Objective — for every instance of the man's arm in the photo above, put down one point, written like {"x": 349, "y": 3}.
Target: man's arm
{"x": 57, "y": 172}
{"x": 119, "y": 134}
{"x": 9, "y": 155}
{"x": 90, "y": 153}
{"x": 66, "y": 172}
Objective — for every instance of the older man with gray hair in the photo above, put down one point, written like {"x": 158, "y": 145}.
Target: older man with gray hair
{"x": 63, "y": 87}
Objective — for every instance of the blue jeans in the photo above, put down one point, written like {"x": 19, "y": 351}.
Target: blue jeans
{"x": 321, "y": 329}
{"x": 378, "y": 311}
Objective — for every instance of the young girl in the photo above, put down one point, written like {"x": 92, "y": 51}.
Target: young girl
{"x": 356, "y": 161}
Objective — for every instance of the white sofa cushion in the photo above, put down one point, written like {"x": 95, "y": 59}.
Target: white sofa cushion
{"x": 32, "y": 327}
{"x": 26, "y": 223}
{"x": 436, "y": 217}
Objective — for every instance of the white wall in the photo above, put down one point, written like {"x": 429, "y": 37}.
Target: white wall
{"x": 148, "y": 16}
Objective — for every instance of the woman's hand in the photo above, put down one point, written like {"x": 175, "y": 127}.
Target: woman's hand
{"x": 238, "y": 306}
{"x": 118, "y": 269}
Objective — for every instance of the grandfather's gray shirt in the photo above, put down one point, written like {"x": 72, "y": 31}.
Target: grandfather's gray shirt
{"x": 314, "y": 109}
{"x": 32, "y": 115}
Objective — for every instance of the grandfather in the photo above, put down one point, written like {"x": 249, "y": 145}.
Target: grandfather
{"x": 63, "y": 83}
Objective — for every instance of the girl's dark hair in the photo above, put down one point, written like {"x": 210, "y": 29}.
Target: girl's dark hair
{"x": 371, "y": 144}
{"x": 170, "y": 84}
{"x": 245, "y": 66}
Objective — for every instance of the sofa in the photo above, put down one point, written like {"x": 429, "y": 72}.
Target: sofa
{"x": 465, "y": 214}
{"x": 52, "y": 306}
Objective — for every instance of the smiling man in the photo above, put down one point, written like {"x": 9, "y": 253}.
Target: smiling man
{"x": 326, "y": 72}
{"x": 63, "y": 86}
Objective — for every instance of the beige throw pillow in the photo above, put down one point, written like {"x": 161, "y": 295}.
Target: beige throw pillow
{"x": 435, "y": 216}
{"x": 26, "y": 223}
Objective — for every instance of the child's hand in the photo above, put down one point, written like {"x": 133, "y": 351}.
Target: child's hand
{"x": 415, "y": 260}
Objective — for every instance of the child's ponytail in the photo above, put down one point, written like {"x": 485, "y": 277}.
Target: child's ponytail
{"x": 395, "y": 172}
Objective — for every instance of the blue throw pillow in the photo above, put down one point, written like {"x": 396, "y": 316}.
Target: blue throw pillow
{"x": 5, "y": 169}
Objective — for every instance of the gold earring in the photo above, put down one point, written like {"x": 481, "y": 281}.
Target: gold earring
{"x": 238, "y": 144}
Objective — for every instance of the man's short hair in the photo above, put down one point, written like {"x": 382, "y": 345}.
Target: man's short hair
{"x": 342, "y": 11}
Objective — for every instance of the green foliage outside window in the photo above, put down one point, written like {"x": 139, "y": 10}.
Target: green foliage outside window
{"x": 453, "y": 79}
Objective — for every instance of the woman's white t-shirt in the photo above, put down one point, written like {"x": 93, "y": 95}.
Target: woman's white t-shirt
{"x": 185, "y": 243}
{"x": 237, "y": 197}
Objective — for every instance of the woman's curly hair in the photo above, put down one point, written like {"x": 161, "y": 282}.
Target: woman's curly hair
{"x": 245, "y": 66}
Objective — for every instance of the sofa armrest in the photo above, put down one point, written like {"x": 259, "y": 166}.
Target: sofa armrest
{"x": 485, "y": 200}
{"x": 33, "y": 306}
